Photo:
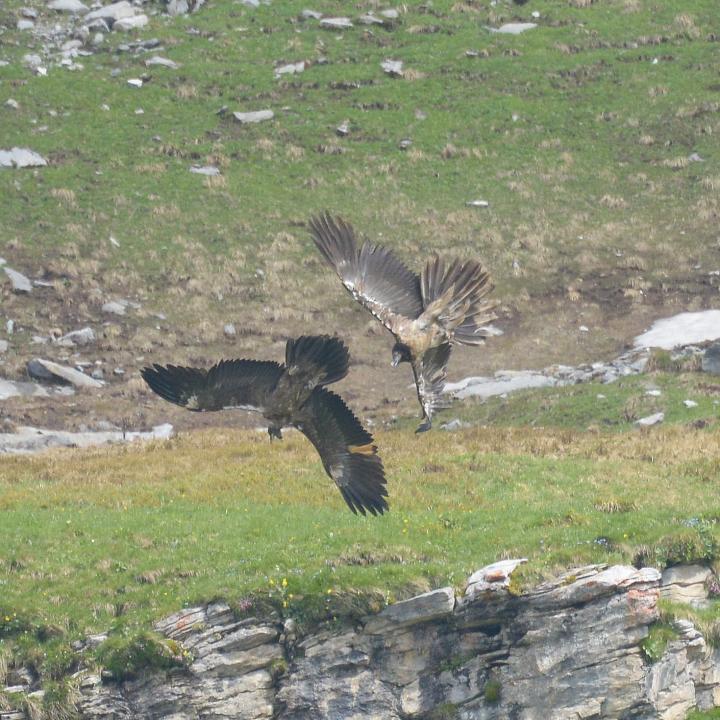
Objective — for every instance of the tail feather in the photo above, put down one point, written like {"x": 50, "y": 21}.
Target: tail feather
{"x": 455, "y": 296}
{"x": 312, "y": 353}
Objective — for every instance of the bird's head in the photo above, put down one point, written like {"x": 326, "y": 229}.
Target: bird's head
{"x": 400, "y": 353}
{"x": 274, "y": 431}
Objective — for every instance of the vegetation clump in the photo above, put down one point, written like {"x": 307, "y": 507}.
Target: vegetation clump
{"x": 653, "y": 646}
{"x": 127, "y": 657}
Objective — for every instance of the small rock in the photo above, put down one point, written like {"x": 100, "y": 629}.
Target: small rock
{"x": 343, "y": 129}
{"x": 24, "y": 24}
{"x": 254, "y": 117}
{"x": 394, "y": 68}
{"x": 654, "y": 393}
{"x": 336, "y": 23}
{"x": 311, "y": 15}
{"x": 205, "y": 170}
{"x": 118, "y": 371}
{"x": 165, "y": 62}
{"x": 390, "y": 14}
{"x": 229, "y": 330}
{"x": 370, "y": 19}
{"x": 20, "y": 158}
{"x": 694, "y": 157}
{"x": 112, "y": 13}
{"x": 98, "y": 374}
{"x": 77, "y": 337}
{"x": 513, "y": 28}
{"x": 290, "y": 69}
{"x": 405, "y": 143}
{"x": 135, "y": 82}
{"x": 689, "y": 403}
{"x": 68, "y": 6}
{"x": 10, "y": 327}
{"x": 4, "y": 345}
{"x": 20, "y": 284}
{"x": 478, "y": 203}
{"x": 14, "y": 104}
{"x": 114, "y": 307}
{"x": 584, "y": 328}
{"x": 50, "y": 371}
{"x": 30, "y": 13}
{"x": 130, "y": 23}
{"x": 651, "y": 420}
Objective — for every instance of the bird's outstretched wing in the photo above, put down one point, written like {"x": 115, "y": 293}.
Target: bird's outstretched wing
{"x": 372, "y": 274}
{"x": 317, "y": 359}
{"x": 245, "y": 384}
{"x": 347, "y": 451}
{"x": 430, "y": 371}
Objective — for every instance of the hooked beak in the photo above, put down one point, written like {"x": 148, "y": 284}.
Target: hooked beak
{"x": 395, "y": 361}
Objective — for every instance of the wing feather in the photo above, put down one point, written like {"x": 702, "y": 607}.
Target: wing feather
{"x": 372, "y": 274}
{"x": 347, "y": 451}
{"x": 243, "y": 384}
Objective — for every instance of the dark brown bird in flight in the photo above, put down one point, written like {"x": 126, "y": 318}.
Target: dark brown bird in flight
{"x": 290, "y": 395}
{"x": 425, "y": 313}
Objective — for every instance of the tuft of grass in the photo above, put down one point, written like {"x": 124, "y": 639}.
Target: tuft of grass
{"x": 492, "y": 691}
{"x": 128, "y": 656}
{"x": 653, "y": 646}
{"x": 705, "y": 619}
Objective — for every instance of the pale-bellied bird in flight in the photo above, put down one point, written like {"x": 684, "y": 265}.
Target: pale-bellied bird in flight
{"x": 426, "y": 313}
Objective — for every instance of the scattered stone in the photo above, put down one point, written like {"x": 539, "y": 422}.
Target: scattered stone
{"x": 689, "y": 403}
{"x": 254, "y": 117}
{"x": 229, "y": 330}
{"x": 513, "y": 28}
{"x": 390, "y": 14}
{"x": 9, "y": 388}
{"x": 343, "y": 129}
{"x": 290, "y": 69}
{"x": 311, "y": 15}
{"x": 30, "y": 13}
{"x": 686, "y": 584}
{"x": 29, "y": 439}
{"x": 21, "y": 158}
{"x": 119, "y": 371}
{"x": 210, "y": 170}
{"x": 69, "y": 6}
{"x": 50, "y": 371}
{"x": 24, "y": 24}
{"x": 394, "y": 68}
{"x": 503, "y": 382}
{"x": 10, "y": 327}
{"x": 653, "y": 393}
{"x": 14, "y": 104}
{"x": 419, "y": 609}
{"x": 491, "y": 579}
{"x": 336, "y": 23}
{"x": 651, "y": 420}
{"x": 4, "y": 345}
{"x": 131, "y": 23}
{"x": 694, "y": 157}
{"x": 112, "y": 13}
{"x": 478, "y": 203}
{"x": 711, "y": 359}
{"x": 183, "y": 7}
{"x": 83, "y": 337}
{"x": 405, "y": 144}
{"x": 20, "y": 284}
{"x": 98, "y": 374}
{"x": 135, "y": 82}
{"x": 165, "y": 62}
{"x": 114, "y": 307}
{"x": 453, "y": 425}
{"x": 370, "y": 19}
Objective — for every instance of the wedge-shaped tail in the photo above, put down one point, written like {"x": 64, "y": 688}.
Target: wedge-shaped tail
{"x": 347, "y": 451}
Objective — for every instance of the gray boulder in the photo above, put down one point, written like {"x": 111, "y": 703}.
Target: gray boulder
{"x": 711, "y": 359}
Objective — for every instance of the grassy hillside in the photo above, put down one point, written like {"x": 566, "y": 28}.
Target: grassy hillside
{"x": 577, "y": 133}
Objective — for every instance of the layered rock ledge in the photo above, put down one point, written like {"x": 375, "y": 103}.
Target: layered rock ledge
{"x": 568, "y": 650}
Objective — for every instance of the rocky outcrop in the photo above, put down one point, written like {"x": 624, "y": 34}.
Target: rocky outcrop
{"x": 568, "y": 650}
